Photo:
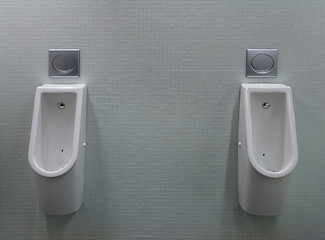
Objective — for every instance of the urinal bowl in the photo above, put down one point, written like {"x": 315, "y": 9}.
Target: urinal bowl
{"x": 63, "y": 194}
{"x": 57, "y": 146}
{"x": 267, "y": 147}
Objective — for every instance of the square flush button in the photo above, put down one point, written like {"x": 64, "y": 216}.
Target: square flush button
{"x": 261, "y": 62}
{"x": 64, "y": 63}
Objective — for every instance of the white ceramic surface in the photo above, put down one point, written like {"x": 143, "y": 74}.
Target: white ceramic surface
{"x": 267, "y": 147}
{"x": 56, "y": 152}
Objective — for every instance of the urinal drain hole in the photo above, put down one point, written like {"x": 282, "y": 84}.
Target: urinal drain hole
{"x": 266, "y": 105}
{"x": 61, "y": 105}
{"x": 62, "y": 150}
{"x": 263, "y": 154}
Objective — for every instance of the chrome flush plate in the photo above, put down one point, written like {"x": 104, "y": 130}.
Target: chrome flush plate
{"x": 261, "y": 62}
{"x": 64, "y": 62}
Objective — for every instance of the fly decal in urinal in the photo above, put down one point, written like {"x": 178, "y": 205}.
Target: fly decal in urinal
{"x": 267, "y": 147}
{"x": 57, "y": 146}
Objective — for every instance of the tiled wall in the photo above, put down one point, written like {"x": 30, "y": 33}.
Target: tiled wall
{"x": 163, "y": 83}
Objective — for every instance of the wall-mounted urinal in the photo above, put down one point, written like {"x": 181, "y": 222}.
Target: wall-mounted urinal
{"x": 267, "y": 147}
{"x": 57, "y": 146}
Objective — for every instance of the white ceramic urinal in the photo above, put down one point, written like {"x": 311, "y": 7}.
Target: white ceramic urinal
{"x": 267, "y": 147}
{"x": 57, "y": 146}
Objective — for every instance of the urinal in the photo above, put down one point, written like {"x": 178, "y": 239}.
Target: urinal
{"x": 57, "y": 146}
{"x": 267, "y": 147}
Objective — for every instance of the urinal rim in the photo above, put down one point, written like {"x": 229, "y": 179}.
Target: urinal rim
{"x": 56, "y": 88}
{"x": 270, "y": 88}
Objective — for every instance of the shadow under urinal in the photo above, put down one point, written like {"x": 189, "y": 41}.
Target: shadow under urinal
{"x": 57, "y": 225}
{"x": 230, "y": 202}
{"x": 96, "y": 207}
